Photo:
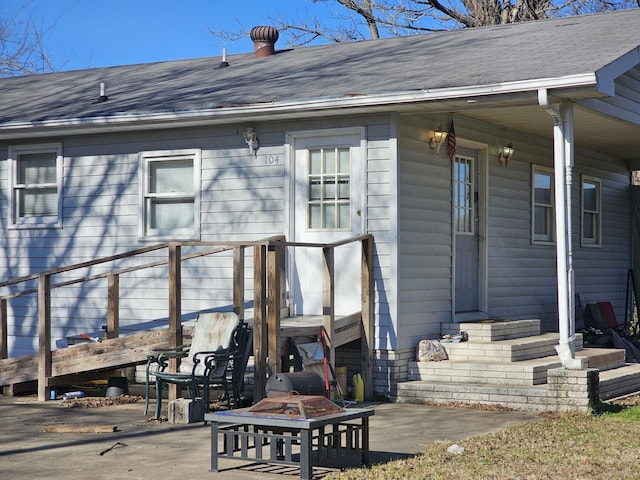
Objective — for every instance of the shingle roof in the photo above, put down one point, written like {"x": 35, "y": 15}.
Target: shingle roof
{"x": 470, "y": 57}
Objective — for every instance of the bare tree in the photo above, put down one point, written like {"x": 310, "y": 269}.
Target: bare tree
{"x": 348, "y": 20}
{"x": 22, "y": 50}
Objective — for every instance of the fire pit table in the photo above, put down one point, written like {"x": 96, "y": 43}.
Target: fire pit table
{"x": 289, "y": 438}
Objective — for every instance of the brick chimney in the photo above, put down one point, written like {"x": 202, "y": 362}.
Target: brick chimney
{"x": 264, "y": 40}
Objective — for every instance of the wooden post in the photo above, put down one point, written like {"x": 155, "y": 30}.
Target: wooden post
{"x": 260, "y": 345}
{"x": 282, "y": 276}
{"x": 4, "y": 335}
{"x": 44, "y": 336}
{"x": 328, "y": 298}
{"x": 175, "y": 313}
{"x": 238, "y": 281}
{"x": 273, "y": 311}
{"x": 367, "y": 333}
{"x": 113, "y": 313}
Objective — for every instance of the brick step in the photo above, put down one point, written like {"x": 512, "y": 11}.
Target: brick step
{"x": 494, "y": 330}
{"x": 533, "y": 398}
{"x": 505, "y": 351}
{"x": 526, "y": 372}
{"x": 619, "y": 382}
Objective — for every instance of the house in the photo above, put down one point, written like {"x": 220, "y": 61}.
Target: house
{"x": 328, "y": 142}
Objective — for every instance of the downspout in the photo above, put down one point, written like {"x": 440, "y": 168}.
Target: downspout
{"x": 563, "y": 164}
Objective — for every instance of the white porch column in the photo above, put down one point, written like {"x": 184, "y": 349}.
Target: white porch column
{"x": 563, "y": 164}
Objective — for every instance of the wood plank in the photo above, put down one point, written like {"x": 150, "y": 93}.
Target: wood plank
{"x": 113, "y": 309}
{"x": 367, "y": 325}
{"x": 44, "y": 335}
{"x": 273, "y": 310}
{"x": 86, "y": 357}
{"x": 260, "y": 346}
{"x": 112, "y": 353}
{"x": 238, "y": 281}
{"x": 175, "y": 311}
{"x": 80, "y": 428}
{"x": 347, "y": 329}
{"x": 4, "y": 348}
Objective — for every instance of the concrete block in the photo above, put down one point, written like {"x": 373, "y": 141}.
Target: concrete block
{"x": 186, "y": 410}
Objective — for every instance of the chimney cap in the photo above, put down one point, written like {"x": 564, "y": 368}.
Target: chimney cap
{"x": 264, "y": 39}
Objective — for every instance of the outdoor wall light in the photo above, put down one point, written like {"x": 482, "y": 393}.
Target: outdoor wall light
{"x": 506, "y": 152}
{"x": 437, "y": 139}
{"x": 251, "y": 138}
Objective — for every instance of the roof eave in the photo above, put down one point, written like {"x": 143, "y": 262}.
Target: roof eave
{"x": 608, "y": 74}
{"x": 584, "y": 85}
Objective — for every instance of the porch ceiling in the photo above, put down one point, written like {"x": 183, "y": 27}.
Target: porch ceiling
{"x": 593, "y": 130}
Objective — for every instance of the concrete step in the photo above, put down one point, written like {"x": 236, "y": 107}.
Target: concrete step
{"x": 620, "y": 381}
{"x": 526, "y": 372}
{"x": 504, "y": 351}
{"x": 494, "y": 330}
{"x": 603, "y": 358}
{"x": 533, "y": 398}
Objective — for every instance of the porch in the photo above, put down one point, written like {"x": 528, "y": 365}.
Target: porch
{"x": 512, "y": 364}
{"x": 270, "y": 313}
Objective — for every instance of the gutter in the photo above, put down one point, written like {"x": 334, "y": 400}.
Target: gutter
{"x": 289, "y": 108}
{"x": 563, "y": 165}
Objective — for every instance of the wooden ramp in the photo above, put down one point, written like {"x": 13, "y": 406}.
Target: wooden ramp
{"x": 85, "y": 357}
{"x": 111, "y": 354}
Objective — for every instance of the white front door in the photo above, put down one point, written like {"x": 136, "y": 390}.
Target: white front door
{"x": 327, "y": 207}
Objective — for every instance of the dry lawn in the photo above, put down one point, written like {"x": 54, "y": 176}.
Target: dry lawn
{"x": 603, "y": 446}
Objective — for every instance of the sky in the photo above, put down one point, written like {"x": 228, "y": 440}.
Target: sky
{"x": 82, "y": 34}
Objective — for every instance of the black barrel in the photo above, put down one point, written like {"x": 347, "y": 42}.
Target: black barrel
{"x": 304, "y": 383}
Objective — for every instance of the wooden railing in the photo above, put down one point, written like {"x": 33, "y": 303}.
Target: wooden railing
{"x": 269, "y": 301}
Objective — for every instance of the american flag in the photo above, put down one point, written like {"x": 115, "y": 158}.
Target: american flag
{"x": 451, "y": 138}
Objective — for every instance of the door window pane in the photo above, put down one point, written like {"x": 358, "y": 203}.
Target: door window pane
{"x": 329, "y": 182}
{"x": 463, "y": 208}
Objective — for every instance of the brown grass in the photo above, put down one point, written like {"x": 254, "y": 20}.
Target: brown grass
{"x": 555, "y": 446}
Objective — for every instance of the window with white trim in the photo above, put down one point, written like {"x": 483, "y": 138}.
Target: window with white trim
{"x": 35, "y": 182}
{"x": 591, "y": 208}
{"x": 329, "y": 179}
{"x": 170, "y": 195}
{"x": 542, "y": 205}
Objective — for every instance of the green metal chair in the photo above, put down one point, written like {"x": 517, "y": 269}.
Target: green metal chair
{"x": 218, "y": 355}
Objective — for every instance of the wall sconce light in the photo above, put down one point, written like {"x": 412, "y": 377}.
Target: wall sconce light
{"x": 251, "y": 138}
{"x": 437, "y": 139}
{"x": 506, "y": 152}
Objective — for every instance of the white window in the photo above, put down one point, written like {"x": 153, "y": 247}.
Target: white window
{"x": 591, "y": 212}
{"x": 329, "y": 181}
{"x": 170, "y": 195}
{"x": 542, "y": 205}
{"x": 35, "y": 181}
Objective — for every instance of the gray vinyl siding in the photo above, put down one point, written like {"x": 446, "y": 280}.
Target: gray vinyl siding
{"x": 424, "y": 283}
{"x": 381, "y": 222}
{"x": 522, "y": 280}
{"x": 243, "y": 197}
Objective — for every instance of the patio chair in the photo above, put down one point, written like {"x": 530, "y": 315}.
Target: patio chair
{"x": 217, "y": 355}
